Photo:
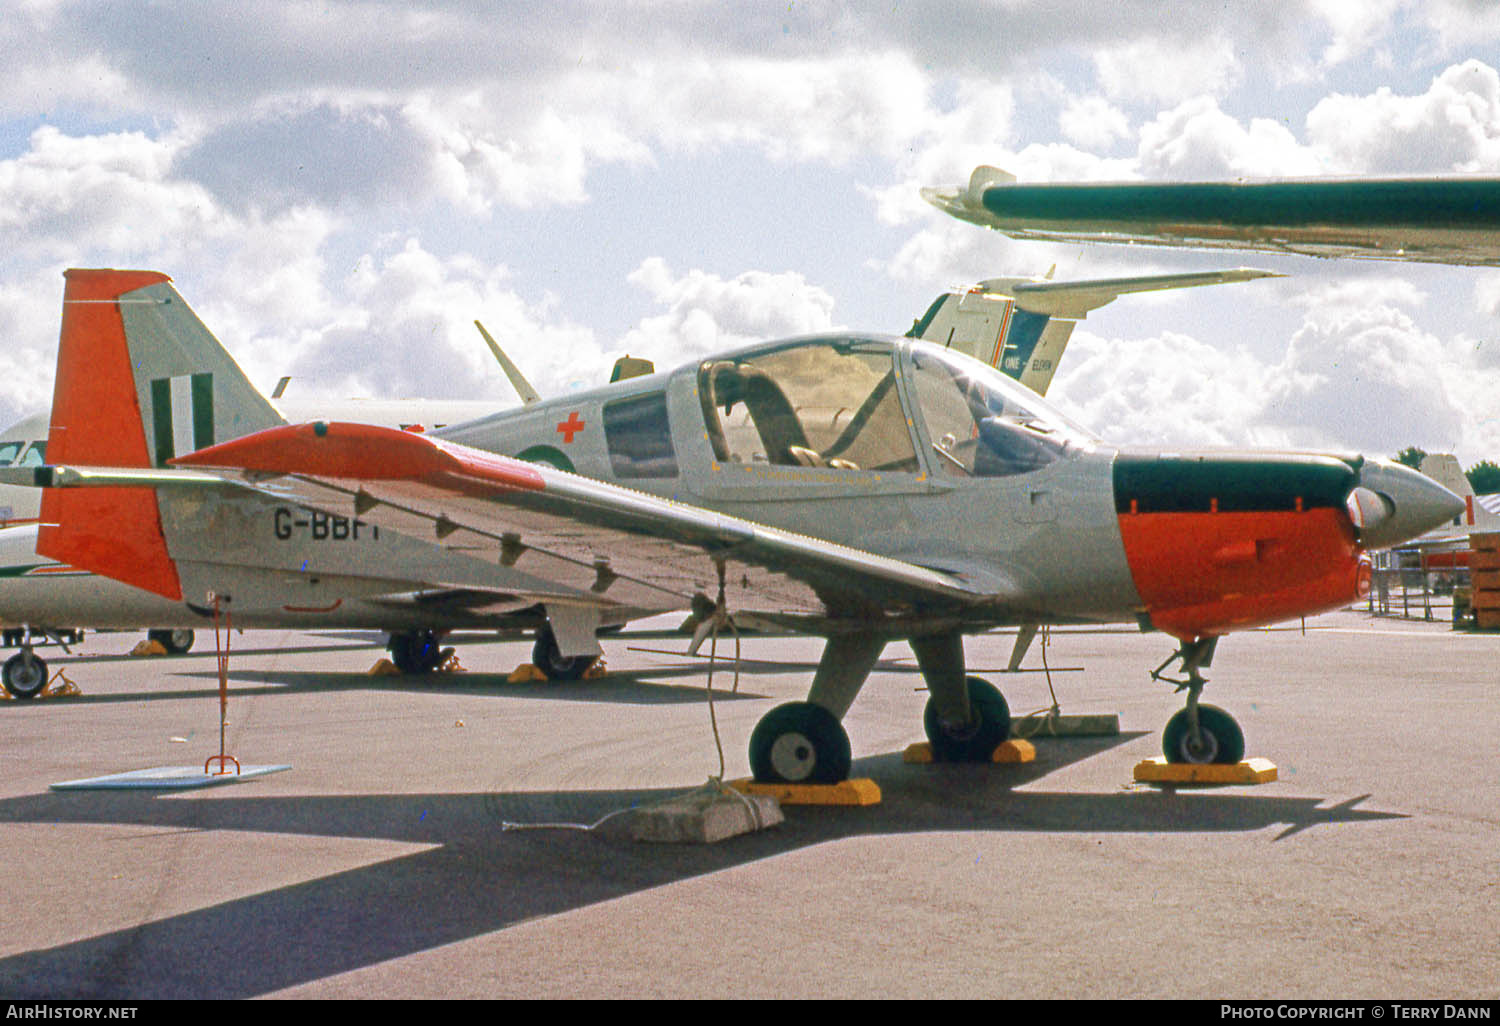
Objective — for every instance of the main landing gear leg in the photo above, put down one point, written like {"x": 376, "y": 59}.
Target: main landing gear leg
{"x": 805, "y": 742}
{"x": 1198, "y": 733}
{"x": 966, "y": 718}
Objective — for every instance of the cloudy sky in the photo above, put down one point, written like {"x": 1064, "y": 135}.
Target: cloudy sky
{"x": 340, "y": 189}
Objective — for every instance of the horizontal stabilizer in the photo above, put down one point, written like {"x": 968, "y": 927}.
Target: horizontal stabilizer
{"x": 1074, "y": 299}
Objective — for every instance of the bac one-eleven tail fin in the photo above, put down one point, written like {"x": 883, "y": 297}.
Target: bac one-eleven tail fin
{"x": 139, "y": 381}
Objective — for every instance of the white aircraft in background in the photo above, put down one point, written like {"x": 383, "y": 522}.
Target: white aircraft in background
{"x": 23, "y": 444}
{"x": 1019, "y": 325}
{"x": 1447, "y": 547}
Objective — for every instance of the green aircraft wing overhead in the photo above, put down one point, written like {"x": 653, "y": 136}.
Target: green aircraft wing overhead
{"x": 1451, "y": 219}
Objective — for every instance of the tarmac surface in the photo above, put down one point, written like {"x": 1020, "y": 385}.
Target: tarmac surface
{"x": 381, "y": 865}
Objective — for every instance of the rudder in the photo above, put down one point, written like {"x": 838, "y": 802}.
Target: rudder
{"x": 139, "y": 380}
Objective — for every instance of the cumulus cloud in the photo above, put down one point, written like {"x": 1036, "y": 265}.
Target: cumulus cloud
{"x": 1166, "y": 390}
{"x": 104, "y": 193}
{"x": 1197, "y": 139}
{"x": 1160, "y": 69}
{"x": 1355, "y": 27}
{"x": 283, "y": 156}
{"x": 1356, "y": 377}
{"x": 402, "y": 326}
{"x": 706, "y": 312}
{"x": 1453, "y": 126}
{"x": 1093, "y": 122}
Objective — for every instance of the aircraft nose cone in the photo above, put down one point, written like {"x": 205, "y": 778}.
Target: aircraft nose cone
{"x": 1416, "y": 503}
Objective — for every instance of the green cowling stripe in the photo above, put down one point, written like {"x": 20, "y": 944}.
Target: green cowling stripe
{"x": 1450, "y": 203}
{"x": 1242, "y": 484}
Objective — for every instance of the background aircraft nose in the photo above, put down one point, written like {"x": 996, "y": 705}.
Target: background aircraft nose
{"x": 1409, "y": 503}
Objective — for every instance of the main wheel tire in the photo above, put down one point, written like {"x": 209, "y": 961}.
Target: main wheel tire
{"x": 175, "y": 642}
{"x": 415, "y": 651}
{"x": 990, "y": 726}
{"x": 800, "y": 743}
{"x": 1222, "y": 740}
{"x": 547, "y": 657}
{"x": 24, "y": 676}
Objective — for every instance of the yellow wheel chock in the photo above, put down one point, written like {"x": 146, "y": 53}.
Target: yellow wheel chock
{"x": 1249, "y": 771}
{"x": 861, "y": 791}
{"x": 1007, "y": 752}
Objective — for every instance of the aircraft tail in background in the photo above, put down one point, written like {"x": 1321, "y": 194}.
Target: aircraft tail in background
{"x": 1482, "y": 512}
{"x": 1022, "y": 325}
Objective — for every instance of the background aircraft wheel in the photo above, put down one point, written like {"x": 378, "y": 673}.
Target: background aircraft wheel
{"x": 175, "y": 642}
{"x": 978, "y": 742}
{"x": 546, "y": 656}
{"x": 799, "y": 743}
{"x": 415, "y": 651}
{"x": 1222, "y": 740}
{"x": 25, "y": 675}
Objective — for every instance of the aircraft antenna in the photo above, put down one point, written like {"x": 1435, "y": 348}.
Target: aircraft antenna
{"x": 517, "y": 379}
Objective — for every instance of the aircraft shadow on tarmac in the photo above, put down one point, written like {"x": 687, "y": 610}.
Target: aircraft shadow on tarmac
{"x": 624, "y": 687}
{"x": 480, "y": 877}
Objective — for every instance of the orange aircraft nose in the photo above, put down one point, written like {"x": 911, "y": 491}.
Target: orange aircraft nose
{"x": 1219, "y": 541}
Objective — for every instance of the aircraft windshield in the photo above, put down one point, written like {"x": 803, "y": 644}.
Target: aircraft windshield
{"x": 819, "y": 404}
{"x": 983, "y": 424}
{"x": 12, "y": 454}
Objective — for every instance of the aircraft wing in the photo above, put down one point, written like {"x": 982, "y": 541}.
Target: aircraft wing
{"x": 598, "y": 543}
{"x": 1452, "y": 219}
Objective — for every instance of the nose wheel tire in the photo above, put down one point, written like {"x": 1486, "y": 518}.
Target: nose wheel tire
{"x": 1220, "y": 739}
{"x": 988, "y": 728}
{"x": 24, "y": 675}
{"x": 800, "y": 743}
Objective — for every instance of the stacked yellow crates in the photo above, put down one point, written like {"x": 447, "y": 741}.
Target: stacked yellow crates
{"x": 1484, "y": 574}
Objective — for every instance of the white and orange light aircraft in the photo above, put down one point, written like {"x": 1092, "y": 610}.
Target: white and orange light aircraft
{"x": 860, "y": 488}
{"x": 1021, "y": 325}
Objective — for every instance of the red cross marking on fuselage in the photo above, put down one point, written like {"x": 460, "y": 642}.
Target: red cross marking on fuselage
{"x": 570, "y": 427}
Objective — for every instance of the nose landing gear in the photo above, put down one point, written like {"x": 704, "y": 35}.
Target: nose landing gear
{"x": 1200, "y": 734}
